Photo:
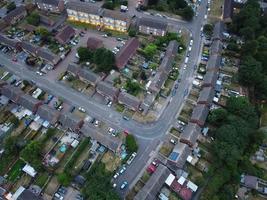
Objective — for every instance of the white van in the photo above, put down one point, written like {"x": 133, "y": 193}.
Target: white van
{"x": 186, "y": 60}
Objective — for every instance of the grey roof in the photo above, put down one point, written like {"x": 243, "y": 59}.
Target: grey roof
{"x": 153, "y": 23}
{"x": 166, "y": 64}
{"x": 29, "y": 102}
{"x": 129, "y": 100}
{"x": 49, "y": 114}
{"x": 172, "y": 48}
{"x": 14, "y": 13}
{"x": 49, "y": 2}
{"x": 191, "y": 133}
{"x": 11, "y": 92}
{"x": 69, "y": 120}
{"x": 157, "y": 82}
{"x": 65, "y": 34}
{"x": 206, "y": 95}
{"x": 113, "y": 143}
{"x": 218, "y": 29}
{"x": 228, "y": 9}
{"x": 210, "y": 78}
{"x": 115, "y": 15}
{"x": 27, "y": 46}
{"x": 200, "y": 114}
{"x": 48, "y": 55}
{"x": 107, "y": 89}
{"x": 28, "y": 194}
{"x": 9, "y": 42}
{"x": 83, "y": 7}
{"x": 214, "y": 63}
{"x": 250, "y": 181}
{"x": 88, "y": 75}
{"x": 73, "y": 68}
{"x": 154, "y": 184}
{"x": 216, "y": 47}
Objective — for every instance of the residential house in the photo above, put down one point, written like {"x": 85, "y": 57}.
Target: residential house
{"x": 94, "y": 43}
{"x": 115, "y": 20}
{"x": 157, "y": 82}
{"x": 71, "y": 121}
{"x": 129, "y": 101}
{"x": 47, "y": 113}
{"x": 84, "y": 12}
{"x": 172, "y": 48}
{"x": 44, "y": 54}
{"x": 206, "y": 96}
{"x": 107, "y": 90}
{"x": 200, "y": 114}
{"x": 210, "y": 79}
{"x": 177, "y": 157}
{"x": 152, "y": 26}
{"x": 217, "y": 31}
{"x": 127, "y": 51}
{"x": 102, "y": 18}
{"x": 47, "y": 21}
{"x": 27, "y": 194}
{"x": 11, "y": 92}
{"x": 228, "y": 11}
{"x": 13, "y": 43}
{"x": 112, "y": 143}
{"x": 15, "y": 15}
{"x": 65, "y": 35}
{"x": 28, "y": 102}
{"x": 190, "y": 134}
{"x": 154, "y": 184}
{"x": 89, "y": 76}
{"x": 213, "y": 63}
{"x": 54, "y": 6}
{"x": 73, "y": 69}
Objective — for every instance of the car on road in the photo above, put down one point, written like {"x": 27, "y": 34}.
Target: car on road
{"x": 126, "y": 118}
{"x": 111, "y": 130}
{"x": 191, "y": 42}
{"x": 81, "y": 109}
{"x": 130, "y": 160}
{"x": 124, "y": 185}
{"x": 176, "y": 86}
{"x": 190, "y": 49}
{"x": 96, "y": 123}
{"x": 18, "y": 83}
{"x": 109, "y": 104}
{"x": 116, "y": 175}
{"x": 123, "y": 168}
{"x": 119, "y": 39}
{"x": 185, "y": 66}
{"x": 39, "y": 73}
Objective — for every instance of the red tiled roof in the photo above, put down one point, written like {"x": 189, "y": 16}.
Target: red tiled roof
{"x": 65, "y": 34}
{"x": 185, "y": 193}
{"x": 126, "y": 52}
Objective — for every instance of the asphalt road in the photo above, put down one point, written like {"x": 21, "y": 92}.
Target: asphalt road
{"x": 148, "y": 134}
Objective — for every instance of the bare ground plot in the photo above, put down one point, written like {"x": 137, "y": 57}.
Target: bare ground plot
{"x": 215, "y": 10}
{"x": 52, "y": 186}
{"x": 166, "y": 149}
{"x": 150, "y": 117}
{"x": 111, "y": 161}
{"x": 138, "y": 186}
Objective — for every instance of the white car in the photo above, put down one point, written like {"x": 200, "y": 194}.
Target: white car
{"x": 105, "y": 35}
{"x": 122, "y": 169}
{"x": 39, "y": 73}
{"x": 114, "y": 185}
{"x": 116, "y": 175}
{"x": 191, "y": 42}
{"x": 81, "y": 109}
{"x": 190, "y": 49}
{"x": 206, "y": 16}
{"x": 185, "y": 66}
{"x": 130, "y": 160}
{"x": 96, "y": 123}
{"x": 110, "y": 104}
{"x": 111, "y": 130}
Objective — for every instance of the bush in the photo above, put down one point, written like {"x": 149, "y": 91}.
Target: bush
{"x": 188, "y": 13}
{"x": 131, "y": 144}
{"x": 33, "y": 19}
{"x": 64, "y": 179}
{"x": 132, "y": 32}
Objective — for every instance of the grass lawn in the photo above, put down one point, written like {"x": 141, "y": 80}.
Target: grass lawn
{"x": 145, "y": 177}
{"x": 41, "y": 179}
{"x": 119, "y": 108}
{"x": 264, "y": 115}
{"x": 216, "y": 10}
{"x": 175, "y": 132}
{"x": 111, "y": 161}
{"x": 166, "y": 149}
{"x": 16, "y": 170}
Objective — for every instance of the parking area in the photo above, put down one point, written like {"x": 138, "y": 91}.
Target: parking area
{"x": 72, "y": 194}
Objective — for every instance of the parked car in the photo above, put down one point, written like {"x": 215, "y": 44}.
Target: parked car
{"x": 124, "y": 185}
{"x": 173, "y": 141}
{"x": 111, "y": 130}
{"x": 81, "y": 109}
{"x": 123, "y": 168}
{"x": 116, "y": 175}
{"x": 130, "y": 160}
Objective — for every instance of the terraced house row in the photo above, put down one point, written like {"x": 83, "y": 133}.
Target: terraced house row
{"x": 102, "y": 18}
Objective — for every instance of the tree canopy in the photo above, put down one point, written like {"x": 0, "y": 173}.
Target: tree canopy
{"x": 131, "y": 144}
{"x": 33, "y": 19}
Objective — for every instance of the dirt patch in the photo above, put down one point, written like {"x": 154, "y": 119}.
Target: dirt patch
{"x": 111, "y": 161}
{"x": 52, "y": 186}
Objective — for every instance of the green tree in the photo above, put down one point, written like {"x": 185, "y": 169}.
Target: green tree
{"x": 217, "y": 116}
{"x": 85, "y": 54}
{"x": 188, "y": 13}
{"x": 44, "y": 33}
{"x": 208, "y": 29}
{"x": 31, "y": 153}
{"x": 150, "y": 50}
{"x": 104, "y": 59}
{"x": 132, "y": 32}
{"x": 143, "y": 75}
{"x": 132, "y": 87}
{"x": 11, "y": 6}
{"x": 64, "y": 179}
{"x": 250, "y": 72}
{"x": 33, "y": 19}
{"x": 131, "y": 144}
{"x": 10, "y": 145}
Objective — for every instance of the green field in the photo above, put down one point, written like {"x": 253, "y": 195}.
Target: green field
{"x": 16, "y": 170}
